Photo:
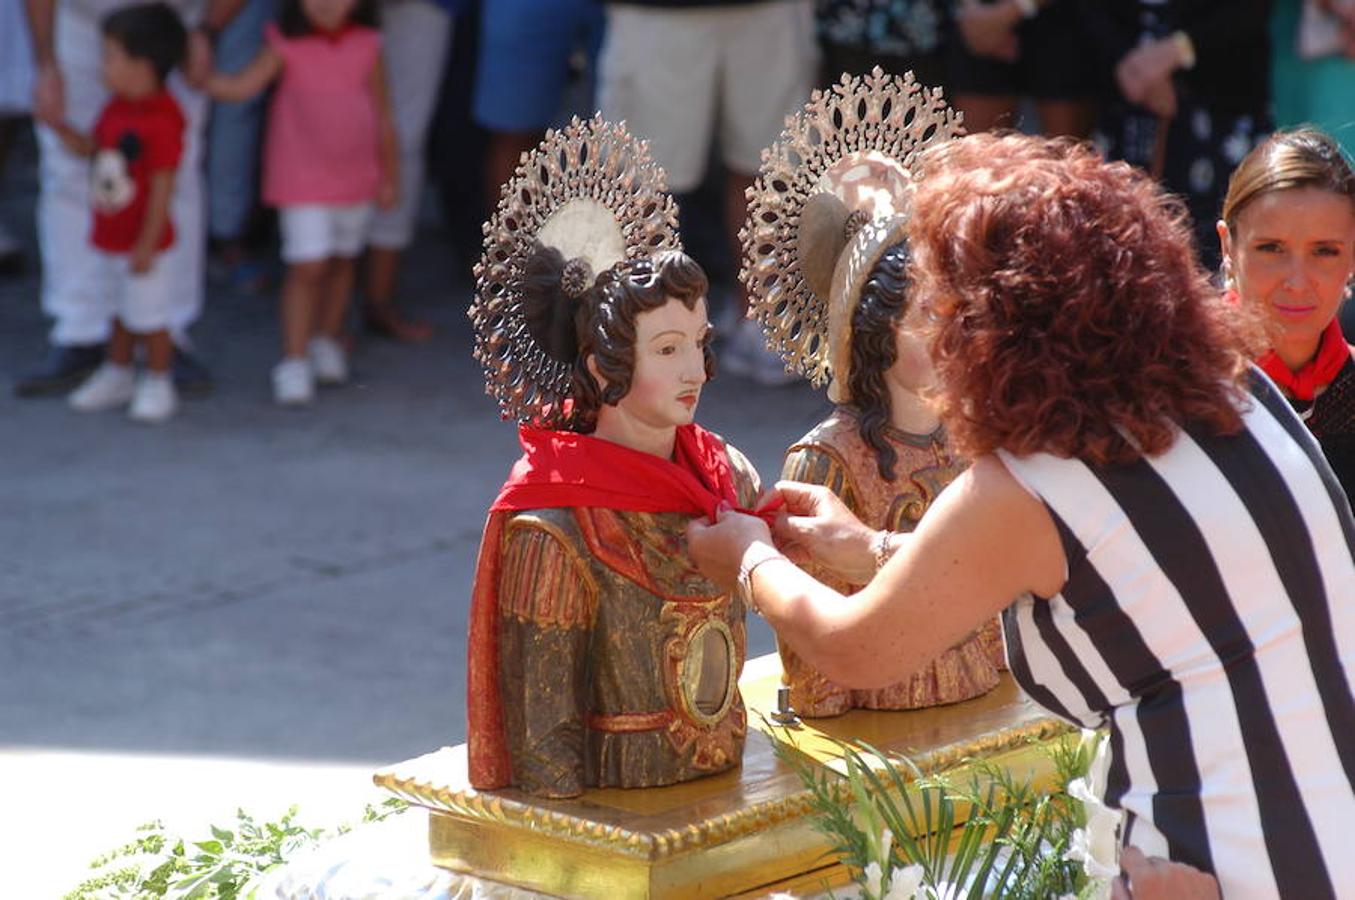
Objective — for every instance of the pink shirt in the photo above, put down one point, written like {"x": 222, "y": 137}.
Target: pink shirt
{"x": 322, "y": 128}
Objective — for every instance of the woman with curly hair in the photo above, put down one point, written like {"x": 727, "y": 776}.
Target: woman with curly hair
{"x": 1288, "y": 239}
{"x": 1170, "y": 552}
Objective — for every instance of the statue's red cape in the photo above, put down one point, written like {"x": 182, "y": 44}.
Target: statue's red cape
{"x": 565, "y": 469}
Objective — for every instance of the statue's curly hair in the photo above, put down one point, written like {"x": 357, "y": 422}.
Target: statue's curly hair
{"x": 874, "y": 349}
{"x": 607, "y": 325}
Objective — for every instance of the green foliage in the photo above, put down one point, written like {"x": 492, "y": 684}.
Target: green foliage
{"x": 159, "y": 864}
{"x": 1011, "y": 841}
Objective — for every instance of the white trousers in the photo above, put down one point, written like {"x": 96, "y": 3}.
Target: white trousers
{"x": 414, "y": 35}
{"x": 74, "y": 290}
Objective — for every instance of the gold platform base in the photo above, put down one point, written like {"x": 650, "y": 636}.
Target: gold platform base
{"x": 745, "y": 832}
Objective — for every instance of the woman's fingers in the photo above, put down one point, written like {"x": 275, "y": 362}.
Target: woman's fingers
{"x": 804, "y": 499}
{"x": 1154, "y": 878}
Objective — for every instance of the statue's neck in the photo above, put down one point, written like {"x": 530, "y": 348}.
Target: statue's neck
{"x": 615, "y": 426}
{"x": 908, "y": 412}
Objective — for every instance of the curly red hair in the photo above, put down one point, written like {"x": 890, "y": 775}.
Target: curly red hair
{"x": 1068, "y": 312}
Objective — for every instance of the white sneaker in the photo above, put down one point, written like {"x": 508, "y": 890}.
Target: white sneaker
{"x": 109, "y": 387}
{"x": 293, "y": 382}
{"x": 155, "y": 399}
{"x": 328, "y": 360}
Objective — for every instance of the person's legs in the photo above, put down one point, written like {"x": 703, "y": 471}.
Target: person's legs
{"x": 233, "y": 132}
{"x": 186, "y": 259}
{"x": 113, "y": 382}
{"x": 504, "y": 150}
{"x": 985, "y": 112}
{"x": 11, "y": 255}
{"x": 415, "y": 34}
{"x": 768, "y": 62}
{"x": 521, "y": 73}
{"x": 1065, "y": 118}
{"x": 335, "y": 292}
{"x": 302, "y": 289}
{"x": 73, "y": 291}
{"x": 121, "y": 345}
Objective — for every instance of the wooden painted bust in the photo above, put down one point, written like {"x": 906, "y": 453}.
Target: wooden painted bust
{"x": 600, "y": 656}
{"x": 883, "y": 452}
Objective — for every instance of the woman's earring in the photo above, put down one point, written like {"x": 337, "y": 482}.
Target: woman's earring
{"x": 1226, "y": 275}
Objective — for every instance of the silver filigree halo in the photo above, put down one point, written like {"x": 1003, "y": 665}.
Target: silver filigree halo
{"x": 590, "y": 190}
{"x": 872, "y": 118}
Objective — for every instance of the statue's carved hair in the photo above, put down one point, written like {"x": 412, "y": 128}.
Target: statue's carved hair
{"x": 553, "y": 316}
{"x": 874, "y": 349}
{"x": 607, "y": 325}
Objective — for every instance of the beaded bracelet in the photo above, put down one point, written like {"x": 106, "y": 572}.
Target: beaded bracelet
{"x": 879, "y": 547}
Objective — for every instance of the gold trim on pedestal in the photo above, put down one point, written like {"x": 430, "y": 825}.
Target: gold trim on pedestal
{"x": 744, "y": 831}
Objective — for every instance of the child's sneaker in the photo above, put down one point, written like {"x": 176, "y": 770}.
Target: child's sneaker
{"x": 109, "y": 387}
{"x": 329, "y": 362}
{"x": 155, "y": 399}
{"x": 293, "y": 382}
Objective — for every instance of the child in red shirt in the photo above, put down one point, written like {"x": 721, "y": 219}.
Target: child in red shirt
{"x": 135, "y": 148}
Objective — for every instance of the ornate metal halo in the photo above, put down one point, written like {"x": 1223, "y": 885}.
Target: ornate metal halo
{"x": 850, "y": 150}
{"x": 591, "y": 191}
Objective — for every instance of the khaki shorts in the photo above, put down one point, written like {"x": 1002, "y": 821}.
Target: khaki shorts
{"x": 671, "y": 74}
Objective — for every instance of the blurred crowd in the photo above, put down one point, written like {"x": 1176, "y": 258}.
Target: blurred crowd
{"x": 315, "y": 132}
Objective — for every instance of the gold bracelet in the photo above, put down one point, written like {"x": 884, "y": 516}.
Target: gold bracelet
{"x": 879, "y": 547}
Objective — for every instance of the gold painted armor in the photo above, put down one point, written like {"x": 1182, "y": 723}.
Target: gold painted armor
{"x": 833, "y": 454}
{"x": 618, "y": 660}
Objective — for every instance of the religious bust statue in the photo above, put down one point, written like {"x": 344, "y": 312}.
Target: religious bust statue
{"x": 826, "y": 267}
{"x": 600, "y": 656}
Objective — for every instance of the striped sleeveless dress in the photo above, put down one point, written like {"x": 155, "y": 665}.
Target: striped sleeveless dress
{"x": 1208, "y": 621}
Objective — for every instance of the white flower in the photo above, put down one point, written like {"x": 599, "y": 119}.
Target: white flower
{"x": 1097, "y": 846}
{"x": 904, "y": 883}
{"x": 874, "y": 881}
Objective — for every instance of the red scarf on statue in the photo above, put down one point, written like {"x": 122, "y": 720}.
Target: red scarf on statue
{"x": 1318, "y": 372}
{"x": 560, "y": 469}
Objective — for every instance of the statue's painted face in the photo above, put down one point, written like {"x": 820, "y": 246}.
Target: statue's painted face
{"x": 670, "y": 366}
{"x": 912, "y": 368}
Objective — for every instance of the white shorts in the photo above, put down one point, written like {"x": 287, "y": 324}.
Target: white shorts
{"x": 141, "y": 302}
{"x": 670, "y": 72}
{"x": 315, "y": 232}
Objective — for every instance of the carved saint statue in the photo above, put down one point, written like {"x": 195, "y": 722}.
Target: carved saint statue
{"x": 827, "y": 273}
{"x": 600, "y": 656}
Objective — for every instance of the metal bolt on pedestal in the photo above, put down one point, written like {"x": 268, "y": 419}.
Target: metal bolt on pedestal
{"x": 785, "y": 714}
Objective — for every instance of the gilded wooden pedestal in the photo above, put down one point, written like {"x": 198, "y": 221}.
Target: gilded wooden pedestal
{"x": 744, "y": 832}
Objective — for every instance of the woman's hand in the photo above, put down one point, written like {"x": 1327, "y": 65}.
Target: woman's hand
{"x": 817, "y": 527}
{"x": 1154, "y": 878}
{"x": 718, "y": 548}
{"x": 1144, "y": 75}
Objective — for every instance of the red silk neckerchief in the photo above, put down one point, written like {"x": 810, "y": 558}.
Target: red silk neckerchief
{"x": 1318, "y": 372}
{"x": 562, "y": 469}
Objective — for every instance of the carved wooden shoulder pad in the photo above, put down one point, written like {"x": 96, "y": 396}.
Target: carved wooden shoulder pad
{"x": 746, "y": 478}
{"x": 821, "y": 464}
{"x": 544, "y": 579}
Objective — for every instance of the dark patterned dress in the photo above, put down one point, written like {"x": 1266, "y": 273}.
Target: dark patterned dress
{"x": 1331, "y": 418}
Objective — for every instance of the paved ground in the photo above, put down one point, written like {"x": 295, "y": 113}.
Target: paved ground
{"x": 287, "y": 588}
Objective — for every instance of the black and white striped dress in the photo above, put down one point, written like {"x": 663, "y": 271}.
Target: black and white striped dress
{"x": 1209, "y": 621}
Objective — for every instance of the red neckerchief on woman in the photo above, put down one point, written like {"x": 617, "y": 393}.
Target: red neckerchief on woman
{"x": 562, "y": 469}
{"x": 1318, "y": 372}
